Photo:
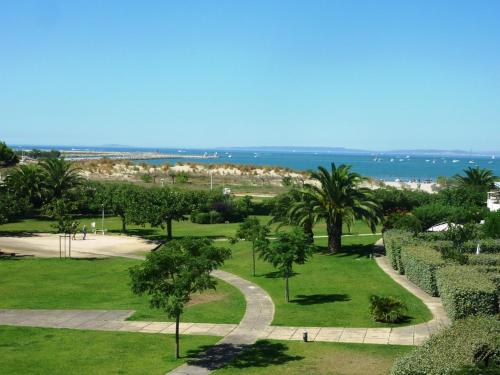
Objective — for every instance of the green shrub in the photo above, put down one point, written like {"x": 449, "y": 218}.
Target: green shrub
{"x": 393, "y": 240}
{"x": 491, "y": 226}
{"x": 483, "y": 259}
{"x": 432, "y": 214}
{"x": 405, "y": 222}
{"x": 488, "y": 245}
{"x": 387, "y": 309}
{"x": 212, "y": 217}
{"x": 147, "y": 178}
{"x": 469, "y": 342}
{"x": 465, "y": 291}
{"x": 420, "y": 263}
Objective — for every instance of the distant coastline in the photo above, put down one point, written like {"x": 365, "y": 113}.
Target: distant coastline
{"x": 423, "y": 165}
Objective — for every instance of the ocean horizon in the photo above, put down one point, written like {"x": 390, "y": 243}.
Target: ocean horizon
{"x": 379, "y": 165}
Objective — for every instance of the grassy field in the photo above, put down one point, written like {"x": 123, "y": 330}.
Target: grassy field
{"x": 61, "y": 351}
{"x": 102, "y": 284}
{"x": 295, "y": 357}
{"x": 180, "y": 229}
{"x": 329, "y": 290}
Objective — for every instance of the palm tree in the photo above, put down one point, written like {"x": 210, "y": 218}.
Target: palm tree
{"x": 338, "y": 198}
{"x": 27, "y": 181}
{"x": 478, "y": 178}
{"x": 296, "y": 208}
{"x": 61, "y": 176}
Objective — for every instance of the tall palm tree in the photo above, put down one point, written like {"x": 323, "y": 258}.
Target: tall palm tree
{"x": 61, "y": 176}
{"x": 27, "y": 181}
{"x": 338, "y": 198}
{"x": 478, "y": 178}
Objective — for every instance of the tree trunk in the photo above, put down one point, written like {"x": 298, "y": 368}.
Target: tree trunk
{"x": 169, "y": 229}
{"x": 334, "y": 230}
{"x": 253, "y": 256}
{"x": 124, "y": 226}
{"x": 287, "y": 290}
{"x": 308, "y": 230}
{"x": 177, "y": 320}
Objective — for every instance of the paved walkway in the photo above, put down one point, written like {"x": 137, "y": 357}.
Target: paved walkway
{"x": 254, "y": 325}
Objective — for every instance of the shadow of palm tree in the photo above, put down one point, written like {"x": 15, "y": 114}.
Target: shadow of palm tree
{"x": 358, "y": 250}
{"x": 261, "y": 354}
{"x": 318, "y": 299}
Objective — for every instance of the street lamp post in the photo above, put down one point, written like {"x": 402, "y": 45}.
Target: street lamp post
{"x": 102, "y": 220}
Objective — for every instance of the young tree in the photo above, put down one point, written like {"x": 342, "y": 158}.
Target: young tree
{"x": 62, "y": 211}
{"x": 338, "y": 198}
{"x": 252, "y": 230}
{"x": 172, "y": 273}
{"x": 288, "y": 249}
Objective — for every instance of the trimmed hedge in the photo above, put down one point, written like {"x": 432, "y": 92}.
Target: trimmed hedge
{"x": 467, "y": 342}
{"x": 488, "y": 245}
{"x": 483, "y": 259}
{"x": 394, "y": 239}
{"x": 465, "y": 291}
{"x": 420, "y": 263}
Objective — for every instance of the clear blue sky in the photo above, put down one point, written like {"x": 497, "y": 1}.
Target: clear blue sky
{"x": 367, "y": 74}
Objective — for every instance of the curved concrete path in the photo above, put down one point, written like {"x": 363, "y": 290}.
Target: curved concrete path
{"x": 258, "y": 316}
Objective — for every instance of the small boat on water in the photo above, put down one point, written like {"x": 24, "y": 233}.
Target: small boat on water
{"x": 472, "y": 162}
{"x": 455, "y": 161}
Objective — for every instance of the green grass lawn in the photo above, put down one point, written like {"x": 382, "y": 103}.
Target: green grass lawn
{"x": 180, "y": 229}
{"x": 329, "y": 290}
{"x": 62, "y": 351}
{"x": 102, "y": 284}
{"x": 295, "y": 357}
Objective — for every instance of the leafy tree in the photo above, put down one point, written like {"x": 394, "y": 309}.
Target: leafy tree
{"x": 337, "y": 197}
{"x": 62, "y": 211}
{"x": 171, "y": 274}
{"x": 288, "y": 249}
{"x": 160, "y": 207}
{"x": 491, "y": 226}
{"x": 8, "y": 157}
{"x": 28, "y": 181}
{"x": 252, "y": 230}
{"x": 476, "y": 178}
{"x": 61, "y": 176}
{"x": 11, "y": 206}
{"x": 120, "y": 198}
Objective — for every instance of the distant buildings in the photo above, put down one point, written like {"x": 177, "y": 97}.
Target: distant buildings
{"x": 493, "y": 202}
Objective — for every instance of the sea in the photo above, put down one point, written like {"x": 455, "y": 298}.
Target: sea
{"x": 384, "y": 166}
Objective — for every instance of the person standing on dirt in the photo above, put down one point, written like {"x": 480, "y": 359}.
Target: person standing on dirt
{"x": 84, "y": 231}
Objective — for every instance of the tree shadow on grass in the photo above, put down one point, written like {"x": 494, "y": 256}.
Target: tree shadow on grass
{"x": 277, "y": 275}
{"x": 261, "y": 354}
{"x": 318, "y": 299}
{"x": 357, "y": 250}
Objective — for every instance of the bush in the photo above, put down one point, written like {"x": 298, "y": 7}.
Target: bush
{"x": 406, "y": 222}
{"x": 470, "y": 342}
{"x": 400, "y": 200}
{"x": 420, "y": 263}
{"x": 212, "y": 217}
{"x": 432, "y": 214}
{"x": 484, "y": 259}
{"x": 465, "y": 291}
{"x": 147, "y": 178}
{"x": 393, "y": 241}
{"x": 488, "y": 245}
{"x": 491, "y": 226}
{"x": 387, "y": 309}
